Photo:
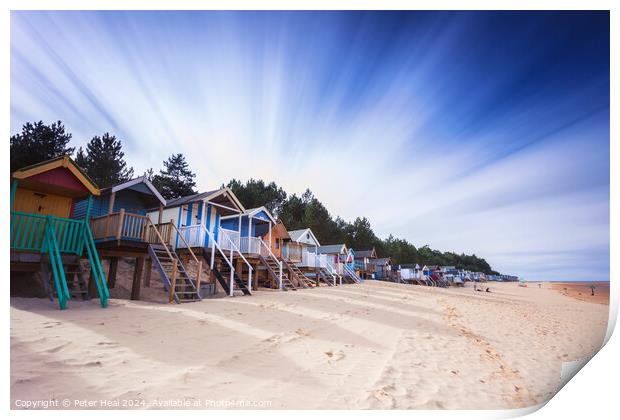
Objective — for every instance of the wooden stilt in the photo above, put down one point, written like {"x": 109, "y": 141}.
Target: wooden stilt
{"x": 92, "y": 286}
{"x": 147, "y": 272}
{"x": 173, "y": 284}
{"x": 112, "y": 272}
{"x": 137, "y": 276}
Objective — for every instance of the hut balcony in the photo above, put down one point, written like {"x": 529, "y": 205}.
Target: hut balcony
{"x": 28, "y": 232}
{"x": 125, "y": 226}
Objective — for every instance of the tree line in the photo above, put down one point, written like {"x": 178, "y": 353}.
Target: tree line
{"x": 104, "y": 162}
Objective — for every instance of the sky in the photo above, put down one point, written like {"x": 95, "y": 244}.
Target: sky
{"x": 475, "y": 132}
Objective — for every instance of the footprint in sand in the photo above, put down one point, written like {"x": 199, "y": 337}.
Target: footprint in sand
{"x": 274, "y": 339}
{"x": 57, "y": 348}
{"x": 339, "y": 355}
{"x": 301, "y": 331}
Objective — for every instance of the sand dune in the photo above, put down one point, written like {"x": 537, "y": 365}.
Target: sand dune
{"x": 376, "y": 345}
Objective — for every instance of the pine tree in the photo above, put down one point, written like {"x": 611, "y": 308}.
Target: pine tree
{"x": 38, "y": 142}
{"x": 104, "y": 161}
{"x": 176, "y": 179}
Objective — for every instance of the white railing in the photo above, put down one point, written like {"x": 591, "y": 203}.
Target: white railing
{"x": 250, "y": 245}
{"x": 265, "y": 251}
{"x": 351, "y": 272}
{"x": 310, "y": 259}
{"x": 230, "y": 244}
{"x": 194, "y": 236}
{"x": 331, "y": 269}
{"x": 244, "y": 244}
{"x": 226, "y": 236}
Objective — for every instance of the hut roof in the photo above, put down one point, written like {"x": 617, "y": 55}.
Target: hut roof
{"x": 133, "y": 183}
{"x": 48, "y": 174}
{"x": 366, "y": 254}
{"x": 297, "y": 235}
{"x": 333, "y": 249}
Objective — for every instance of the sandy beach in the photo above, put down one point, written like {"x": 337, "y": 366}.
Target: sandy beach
{"x": 372, "y": 346}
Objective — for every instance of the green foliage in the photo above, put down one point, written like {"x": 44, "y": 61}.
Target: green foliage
{"x": 255, "y": 193}
{"x": 104, "y": 161}
{"x": 175, "y": 179}
{"x": 38, "y": 142}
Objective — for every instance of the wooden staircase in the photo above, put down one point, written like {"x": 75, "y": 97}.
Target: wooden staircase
{"x": 325, "y": 276}
{"x": 273, "y": 268}
{"x": 351, "y": 275}
{"x": 297, "y": 275}
{"x": 168, "y": 265}
{"x": 221, "y": 270}
{"x": 74, "y": 276}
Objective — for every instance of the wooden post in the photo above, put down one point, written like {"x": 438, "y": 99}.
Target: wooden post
{"x": 120, "y": 225}
{"x": 173, "y": 283}
{"x": 112, "y": 272}
{"x": 92, "y": 285}
{"x": 239, "y": 268}
{"x": 147, "y": 274}
{"x": 137, "y": 276}
{"x": 198, "y": 276}
{"x": 161, "y": 214}
{"x": 111, "y": 203}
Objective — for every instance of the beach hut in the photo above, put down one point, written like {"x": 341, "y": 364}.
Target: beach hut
{"x": 279, "y": 239}
{"x": 121, "y": 229}
{"x": 362, "y": 259}
{"x": 253, "y": 233}
{"x": 196, "y": 235}
{"x": 275, "y": 237}
{"x": 46, "y": 237}
{"x": 302, "y": 251}
{"x": 247, "y": 229}
{"x": 341, "y": 259}
{"x": 380, "y": 267}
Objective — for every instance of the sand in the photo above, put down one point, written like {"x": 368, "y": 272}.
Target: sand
{"x": 371, "y": 346}
{"x": 582, "y": 290}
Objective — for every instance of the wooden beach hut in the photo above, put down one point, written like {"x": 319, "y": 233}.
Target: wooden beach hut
{"x": 362, "y": 260}
{"x": 121, "y": 229}
{"x": 46, "y": 238}
{"x": 197, "y": 236}
{"x": 253, "y": 233}
{"x": 302, "y": 251}
{"x": 380, "y": 268}
{"x": 341, "y": 259}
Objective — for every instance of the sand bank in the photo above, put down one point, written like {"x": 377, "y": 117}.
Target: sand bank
{"x": 375, "y": 345}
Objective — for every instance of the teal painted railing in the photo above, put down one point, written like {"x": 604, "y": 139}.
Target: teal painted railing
{"x": 50, "y": 245}
{"x": 55, "y": 236}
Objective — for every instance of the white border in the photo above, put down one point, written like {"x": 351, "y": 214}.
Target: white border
{"x": 593, "y": 392}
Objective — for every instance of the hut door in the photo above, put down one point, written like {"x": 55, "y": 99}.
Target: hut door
{"x": 39, "y": 203}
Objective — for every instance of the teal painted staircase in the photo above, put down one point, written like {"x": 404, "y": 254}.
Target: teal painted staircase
{"x": 54, "y": 238}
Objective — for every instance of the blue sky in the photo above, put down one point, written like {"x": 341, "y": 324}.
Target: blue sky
{"x": 478, "y": 132}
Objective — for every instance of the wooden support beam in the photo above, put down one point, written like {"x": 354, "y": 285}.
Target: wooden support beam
{"x": 112, "y": 272}
{"x": 92, "y": 285}
{"x": 147, "y": 272}
{"x": 161, "y": 214}
{"x": 111, "y": 202}
{"x": 120, "y": 224}
{"x": 173, "y": 284}
{"x": 137, "y": 276}
{"x": 198, "y": 273}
